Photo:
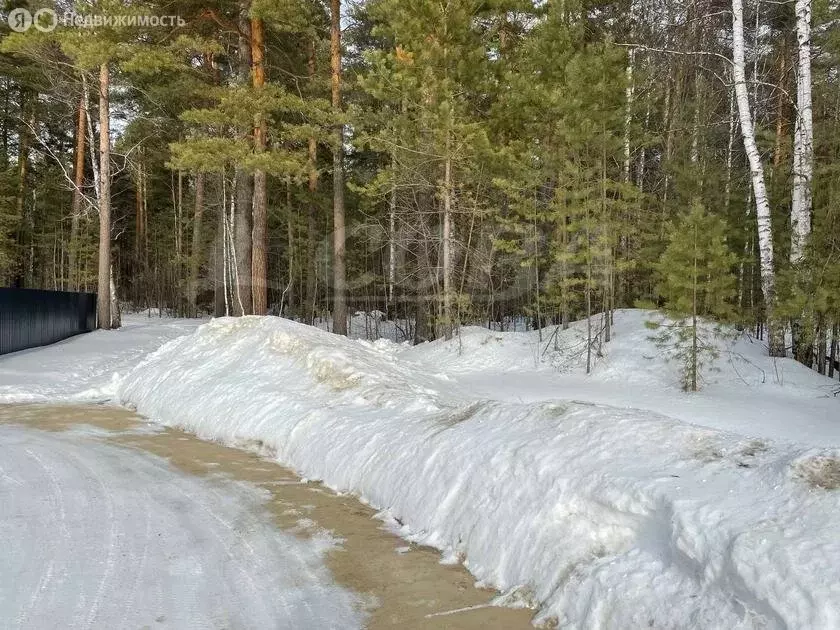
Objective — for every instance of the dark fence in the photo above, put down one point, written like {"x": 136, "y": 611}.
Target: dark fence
{"x": 29, "y": 317}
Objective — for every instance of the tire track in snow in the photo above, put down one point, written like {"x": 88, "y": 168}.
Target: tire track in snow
{"x": 110, "y": 557}
{"x": 254, "y": 558}
{"x": 47, "y": 574}
{"x": 141, "y": 544}
{"x": 141, "y": 565}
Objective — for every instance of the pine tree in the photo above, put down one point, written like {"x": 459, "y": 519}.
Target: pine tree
{"x": 696, "y": 282}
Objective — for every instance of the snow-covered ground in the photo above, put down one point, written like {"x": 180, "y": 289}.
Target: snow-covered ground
{"x": 101, "y": 536}
{"x": 84, "y": 368}
{"x": 609, "y": 501}
{"x": 746, "y": 391}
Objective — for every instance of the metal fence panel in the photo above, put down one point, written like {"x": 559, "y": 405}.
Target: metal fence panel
{"x": 30, "y": 317}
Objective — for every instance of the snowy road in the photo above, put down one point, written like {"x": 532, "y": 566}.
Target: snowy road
{"x": 110, "y": 522}
{"x": 84, "y": 368}
{"x": 102, "y": 536}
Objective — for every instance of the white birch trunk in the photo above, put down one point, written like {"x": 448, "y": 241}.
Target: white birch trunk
{"x": 803, "y": 141}
{"x": 668, "y": 144}
{"x": 447, "y": 245}
{"x": 730, "y": 146}
{"x": 392, "y": 248}
{"x": 628, "y": 111}
{"x": 94, "y": 162}
{"x": 695, "y": 125}
{"x": 762, "y": 204}
{"x": 640, "y": 175}
{"x": 116, "y": 318}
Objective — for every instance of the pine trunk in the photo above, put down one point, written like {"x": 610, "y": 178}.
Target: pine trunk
{"x": 103, "y": 310}
{"x": 243, "y": 197}
{"x": 259, "y": 234}
{"x": 339, "y": 238}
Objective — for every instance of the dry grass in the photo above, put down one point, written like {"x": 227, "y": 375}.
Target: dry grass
{"x": 755, "y": 447}
{"x": 820, "y": 472}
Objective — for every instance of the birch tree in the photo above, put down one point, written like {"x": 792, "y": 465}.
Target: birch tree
{"x": 762, "y": 202}
{"x": 803, "y": 139}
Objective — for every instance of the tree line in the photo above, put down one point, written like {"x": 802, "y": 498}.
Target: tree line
{"x": 441, "y": 161}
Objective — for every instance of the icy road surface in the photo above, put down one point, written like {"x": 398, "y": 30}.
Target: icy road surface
{"x": 96, "y": 535}
{"x": 110, "y": 522}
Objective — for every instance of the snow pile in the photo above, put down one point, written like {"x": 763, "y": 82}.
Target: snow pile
{"x": 602, "y": 517}
{"x": 85, "y": 367}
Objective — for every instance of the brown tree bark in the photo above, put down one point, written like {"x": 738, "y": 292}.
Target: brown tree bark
{"x": 259, "y": 230}
{"x": 103, "y": 306}
{"x": 339, "y": 262}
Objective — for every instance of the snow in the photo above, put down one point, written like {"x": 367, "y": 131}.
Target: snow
{"x": 745, "y": 391}
{"x": 117, "y": 538}
{"x": 85, "y": 367}
{"x": 608, "y": 501}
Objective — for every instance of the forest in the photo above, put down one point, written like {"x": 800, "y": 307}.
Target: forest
{"x": 443, "y": 162}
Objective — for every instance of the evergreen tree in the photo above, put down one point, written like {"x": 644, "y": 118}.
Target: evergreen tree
{"x": 696, "y": 282}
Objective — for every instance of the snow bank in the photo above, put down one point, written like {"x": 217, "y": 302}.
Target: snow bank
{"x": 85, "y": 368}
{"x": 603, "y": 517}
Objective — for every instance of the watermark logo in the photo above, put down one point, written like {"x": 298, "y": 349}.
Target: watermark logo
{"x": 21, "y": 20}
{"x": 45, "y": 20}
